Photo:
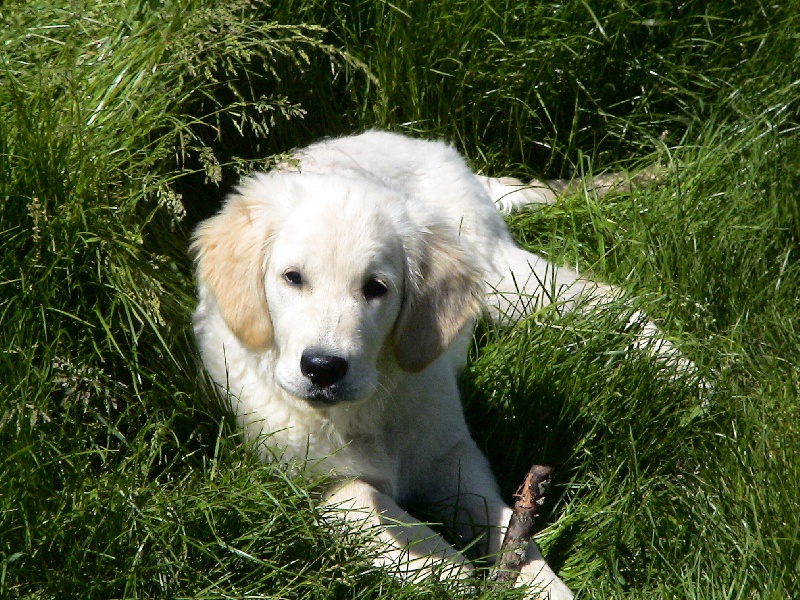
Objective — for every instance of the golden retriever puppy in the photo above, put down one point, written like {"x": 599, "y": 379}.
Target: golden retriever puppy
{"x": 337, "y": 299}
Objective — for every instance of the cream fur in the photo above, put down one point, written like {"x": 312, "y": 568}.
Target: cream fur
{"x": 376, "y": 251}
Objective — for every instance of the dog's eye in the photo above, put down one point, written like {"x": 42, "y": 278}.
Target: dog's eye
{"x": 293, "y": 277}
{"x": 374, "y": 288}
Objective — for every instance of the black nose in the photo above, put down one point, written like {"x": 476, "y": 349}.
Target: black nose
{"x": 321, "y": 368}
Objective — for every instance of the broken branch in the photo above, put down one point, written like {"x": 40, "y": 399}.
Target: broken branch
{"x": 529, "y": 499}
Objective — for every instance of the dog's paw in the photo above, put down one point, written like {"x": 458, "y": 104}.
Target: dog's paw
{"x": 539, "y": 579}
{"x": 545, "y": 588}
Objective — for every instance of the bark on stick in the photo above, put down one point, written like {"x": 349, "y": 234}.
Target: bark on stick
{"x": 529, "y": 499}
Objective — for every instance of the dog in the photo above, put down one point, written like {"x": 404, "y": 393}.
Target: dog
{"x": 337, "y": 296}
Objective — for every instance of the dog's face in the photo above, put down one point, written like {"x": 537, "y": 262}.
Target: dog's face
{"x": 336, "y": 280}
{"x": 334, "y": 287}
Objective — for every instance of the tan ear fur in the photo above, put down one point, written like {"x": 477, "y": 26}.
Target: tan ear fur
{"x": 443, "y": 293}
{"x": 229, "y": 250}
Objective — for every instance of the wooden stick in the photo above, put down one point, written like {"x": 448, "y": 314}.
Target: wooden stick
{"x": 529, "y": 499}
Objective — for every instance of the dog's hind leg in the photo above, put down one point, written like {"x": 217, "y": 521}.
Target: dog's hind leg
{"x": 510, "y": 194}
{"x": 522, "y": 283}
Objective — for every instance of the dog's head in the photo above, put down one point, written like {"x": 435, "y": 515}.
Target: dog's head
{"x": 335, "y": 277}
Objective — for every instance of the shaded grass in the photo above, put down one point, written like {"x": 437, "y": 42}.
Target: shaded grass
{"x": 122, "y": 122}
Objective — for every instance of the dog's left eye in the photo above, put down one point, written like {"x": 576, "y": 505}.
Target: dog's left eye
{"x": 374, "y": 288}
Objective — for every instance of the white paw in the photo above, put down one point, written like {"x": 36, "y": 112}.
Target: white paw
{"x": 539, "y": 578}
{"x": 546, "y": 586}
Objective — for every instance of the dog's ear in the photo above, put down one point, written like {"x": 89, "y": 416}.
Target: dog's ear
{"x": 230, "y": 252}
{"x": 443, "y": 292}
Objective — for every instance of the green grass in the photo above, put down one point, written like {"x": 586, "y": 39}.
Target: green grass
{"x": 123, "y": 123}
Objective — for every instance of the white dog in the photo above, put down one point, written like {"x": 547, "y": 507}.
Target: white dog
{"x": 337, "y": 297}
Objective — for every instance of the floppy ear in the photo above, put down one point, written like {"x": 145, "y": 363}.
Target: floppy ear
{"x": 230, "y": 252}
{"x": 443, "y": 292}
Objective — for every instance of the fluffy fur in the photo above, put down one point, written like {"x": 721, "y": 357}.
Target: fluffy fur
{"x": 337, "y": 296}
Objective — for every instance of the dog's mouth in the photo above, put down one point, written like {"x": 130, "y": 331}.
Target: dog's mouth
{"x": 328, "y": 396}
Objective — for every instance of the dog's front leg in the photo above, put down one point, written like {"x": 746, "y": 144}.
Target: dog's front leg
{"x": 406, "y": 546}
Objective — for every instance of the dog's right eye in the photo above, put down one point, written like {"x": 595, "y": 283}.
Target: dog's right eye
{"x": 293, "y": 277}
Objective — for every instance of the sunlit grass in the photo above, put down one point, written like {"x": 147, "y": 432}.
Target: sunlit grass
{"x": 123, "y": 123}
